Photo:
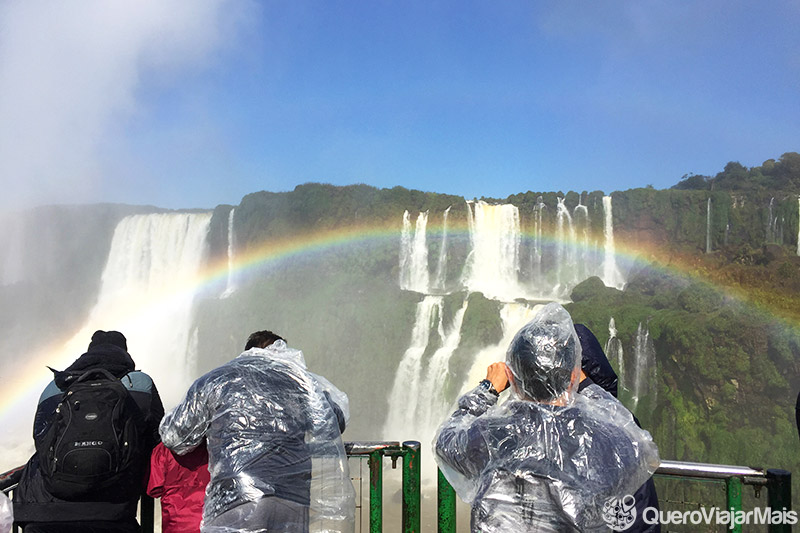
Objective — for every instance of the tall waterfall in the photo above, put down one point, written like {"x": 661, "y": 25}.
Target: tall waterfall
{"x": 536, "y": 251}
{"x": 582, "y": 226}
{"x": 404, "y": 397}
{"x": 644, "y": 372}
{"x": 493, "y": 264}
{"x": 414, "y": 274}
{"x": 772, "y": 222}
{"x": 230, "y": 286}
{"x": 566, "y": 260}
{"x": 147, "y": 290}
{"x": 440, "y": 281}
{"x": 611, "y": 274}
{"x": 708, "y": 227}
{"x": 614, "y": 351}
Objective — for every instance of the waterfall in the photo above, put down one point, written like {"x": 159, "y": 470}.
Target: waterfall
{"x": 708, "y": 227}
{"x": 644, "y": 374}
{"x": 536, "y": 252}
{"x": 414, "y": 254}
{"x": 147, "y": 290}
{"x": 230, "y": 286}
{"x": 565, "y": 251}
{"x": 581, "y": 216}
{"x": 432, "y": 408}
{"x": 772, "y": 221}
{"x": 493, "y": 263}
{"x": 611, "y": 274}
{"x": 440, "y": 282}
{"x": 404, "y": 396}
{"x": 615, "y": 353}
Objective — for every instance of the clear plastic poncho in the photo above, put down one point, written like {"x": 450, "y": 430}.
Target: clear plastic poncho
{"x": 548, "y": 459}
{"x": 6, "y": 514}
{"x": 272, "y": 429}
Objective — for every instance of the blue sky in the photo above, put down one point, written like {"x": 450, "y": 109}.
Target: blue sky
{"x": 193, "y": 104}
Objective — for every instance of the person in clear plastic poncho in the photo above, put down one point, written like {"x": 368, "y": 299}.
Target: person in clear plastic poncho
{"x": 548, "y": 459}
{"x": 273, "y": 431}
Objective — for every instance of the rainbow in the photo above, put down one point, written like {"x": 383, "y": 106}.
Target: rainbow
{"x": 21, "y": 389}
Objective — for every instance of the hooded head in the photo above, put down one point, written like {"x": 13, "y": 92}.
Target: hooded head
{"x": 544, "y": 355}
{"x": 114, "y": 338}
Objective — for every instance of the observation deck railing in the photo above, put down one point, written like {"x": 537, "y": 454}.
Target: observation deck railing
{"x": 777, "y": 483}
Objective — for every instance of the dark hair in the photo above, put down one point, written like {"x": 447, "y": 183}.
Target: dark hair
{"x": 262, "y": 339}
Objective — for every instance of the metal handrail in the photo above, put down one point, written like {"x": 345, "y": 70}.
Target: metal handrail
{"x": 777, "y": 483}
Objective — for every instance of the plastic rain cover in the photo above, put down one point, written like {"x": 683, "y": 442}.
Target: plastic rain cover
{"x": 548, "y": 459}
{"x": 271, "y": 430}
{"x": 6, "y": 514}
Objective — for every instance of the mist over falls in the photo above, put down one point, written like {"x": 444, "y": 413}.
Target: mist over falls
{"x": 403, "y": 298}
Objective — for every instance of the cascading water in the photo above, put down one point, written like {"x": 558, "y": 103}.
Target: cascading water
{"x": 404, "y": 396}
{"x": 147, "y": 291}
{"x": 414, "y": 274}
{"x": 708, "y": 227}
{"x": 615, "y": 353}
{"x": 772, "y": 221}
{"x": 433, "y": 407}
{"x": 582, "y": 225}
{"x": 536, "y": 251}
{"x": 230, "y": 286}
{"x": 566, "y": 261}
{"x": 644, "y": 372}
{"x": 441, "y": 265}
{"x": 611, "y": 274}
{"x": 492, "y": 266}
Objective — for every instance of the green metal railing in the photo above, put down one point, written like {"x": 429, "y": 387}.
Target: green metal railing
{"x": 777, "y": 483}
{"x": 409, "y": 452}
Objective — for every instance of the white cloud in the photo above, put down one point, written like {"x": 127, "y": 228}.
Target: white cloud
{"x": 71, "y": 71}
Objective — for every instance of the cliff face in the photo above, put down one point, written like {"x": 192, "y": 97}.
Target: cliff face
{"x": 711, "y": 301}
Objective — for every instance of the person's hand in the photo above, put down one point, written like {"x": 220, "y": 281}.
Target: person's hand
{"x": 496, "y": 373}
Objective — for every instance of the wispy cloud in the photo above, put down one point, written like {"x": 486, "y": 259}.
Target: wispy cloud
{"x": 71, "y": 72}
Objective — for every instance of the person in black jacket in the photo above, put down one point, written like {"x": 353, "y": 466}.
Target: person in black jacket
{"x": 41, "y": 512}
{"x": 597, "y": 370}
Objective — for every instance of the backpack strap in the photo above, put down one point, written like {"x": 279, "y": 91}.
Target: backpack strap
{"x": 93, "y": 372}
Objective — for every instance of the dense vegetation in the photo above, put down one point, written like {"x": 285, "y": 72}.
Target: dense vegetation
{"x": 780, "y": 175}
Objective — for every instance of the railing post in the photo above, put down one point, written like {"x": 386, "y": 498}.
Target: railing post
{"x": 447, "y": 505}
{"x": 147, "y": 513}
{"x": 779, "y": 496}
{"x": 733, "y": 491}
{"x": 411, "y": 487}
{"x": 376, "y": 492}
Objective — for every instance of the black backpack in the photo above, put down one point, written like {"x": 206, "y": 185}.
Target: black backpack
{"x": 92, "y": 449}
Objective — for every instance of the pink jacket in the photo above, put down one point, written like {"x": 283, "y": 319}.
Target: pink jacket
{"x": 180, "y": 482}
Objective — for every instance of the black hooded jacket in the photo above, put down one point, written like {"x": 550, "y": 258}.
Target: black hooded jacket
{"x": 599, "y": 371}
{"x": 32, "y": 502}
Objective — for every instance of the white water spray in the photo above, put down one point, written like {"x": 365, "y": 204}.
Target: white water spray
{"x": 414, "y": 274}
{"x": 611, "y": 274}
{"x": 230, "y": 287}
{"x": 441, "y": 265}
{"x": 492, "y": 266}
{"x": 708, "y": 227}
